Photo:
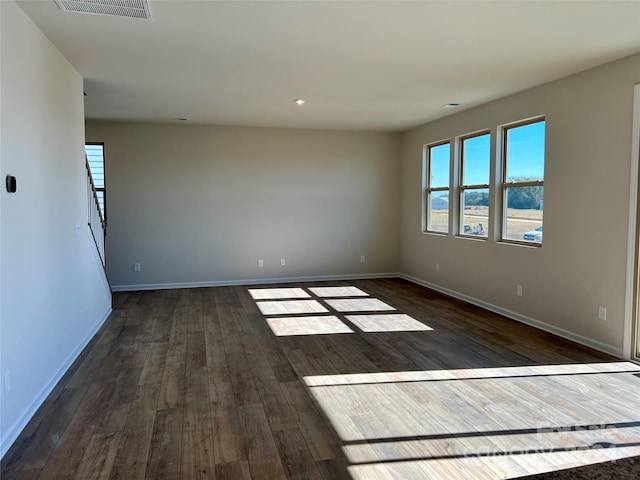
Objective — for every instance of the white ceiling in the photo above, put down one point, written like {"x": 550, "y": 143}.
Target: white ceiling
{"x": 373, "y": 65}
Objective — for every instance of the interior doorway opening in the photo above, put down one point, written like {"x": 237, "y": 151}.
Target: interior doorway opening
{"x": 632, "y": 324}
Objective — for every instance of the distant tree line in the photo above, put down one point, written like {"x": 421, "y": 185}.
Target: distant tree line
{"x": 476, "y": 199}
{"x": 525, "y": 198}
{"x": 521, "y": 198}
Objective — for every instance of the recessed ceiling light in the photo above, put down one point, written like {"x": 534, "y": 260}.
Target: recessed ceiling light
{"x": 451, "y": 105}
{"x": 299, "y": 101}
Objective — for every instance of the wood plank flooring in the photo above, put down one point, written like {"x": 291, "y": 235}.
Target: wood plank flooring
{"x": 369, "y": 379}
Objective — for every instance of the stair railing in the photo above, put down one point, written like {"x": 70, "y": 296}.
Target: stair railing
{"x": 97, "y": 222}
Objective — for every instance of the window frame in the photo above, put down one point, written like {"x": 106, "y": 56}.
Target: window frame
{"x": 462, "y": 187}
{"x": 428, "y": 190}
{"x": 505, "y": 185}
{"x": 101, "y": 189}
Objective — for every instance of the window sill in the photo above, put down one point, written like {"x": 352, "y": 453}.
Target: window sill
{"x": 477, "y": 238}
{"x": 436, "y": 234}
{"x": 516, "y": 243}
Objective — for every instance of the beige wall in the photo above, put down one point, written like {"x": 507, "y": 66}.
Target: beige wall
{"x": 203, "y": 203}
{"x": 583, "y": 261}
{"x": 54, "y": 292}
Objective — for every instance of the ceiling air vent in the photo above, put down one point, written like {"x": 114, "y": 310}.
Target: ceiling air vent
{"x": 119, "y": 8}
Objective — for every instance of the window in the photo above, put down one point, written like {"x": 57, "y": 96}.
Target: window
{"x": 436, "y": 187}
{"x": 475, "y": 162}
{"x": 523, "y": 182}
{"x": 95, "y": 157}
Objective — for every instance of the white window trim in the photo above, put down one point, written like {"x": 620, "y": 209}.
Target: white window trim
{"x": 504, "y": 185}
{"x": 462, "y": 187}
{"x": 427, "y": 190}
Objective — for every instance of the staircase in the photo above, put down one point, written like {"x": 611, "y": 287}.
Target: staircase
{"x": 97, "y": 222}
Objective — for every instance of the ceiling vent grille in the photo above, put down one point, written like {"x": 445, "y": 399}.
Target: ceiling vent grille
{"x": 118, "y": 8}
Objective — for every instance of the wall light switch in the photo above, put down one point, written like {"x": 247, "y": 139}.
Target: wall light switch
{"x": 260, "y": 263}
{"x": 283, "y": 262}
{"x": 602, "y": 313}
{"x": 136, "y": 267}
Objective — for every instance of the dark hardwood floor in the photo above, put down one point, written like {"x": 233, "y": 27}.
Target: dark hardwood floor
{"x": 329, "y": 380}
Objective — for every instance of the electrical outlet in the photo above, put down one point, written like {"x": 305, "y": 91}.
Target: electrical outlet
{"x": 519, "y": 290}
{"x": 136, "y": 267}
{"x": 437, "y": 267}
{"x": 602, "y": 313}
{"x": 260, "y": 263}
{"x": 7, "y": 383}
{"x": 283, "y": 262}
{"x": 362, "y": 259}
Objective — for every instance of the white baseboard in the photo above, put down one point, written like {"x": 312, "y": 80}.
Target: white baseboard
{"x": 252, "y": 281}
{"x": 602, "y": 347}
{"x": 19, "y": 425}
{"x": 13, "y": 433}
{"x": 574, "y": 337}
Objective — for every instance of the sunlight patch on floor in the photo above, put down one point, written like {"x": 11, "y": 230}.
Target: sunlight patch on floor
{"x": 495, "y": 422}
{"x": 277, "y": 293}
{"x": 337, "y": 300}
{"x": 398, "y": 322}
{"x": 324, "y": 292}
{"x": 322, "y": 325}
{"x": 359, "y": 305}
{"x": 290, "y": 307}
{"x": 471, "y": 373}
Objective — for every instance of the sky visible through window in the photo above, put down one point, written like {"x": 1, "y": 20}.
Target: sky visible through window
{"x": 95, "y": 157}
{"x": 477, "y": 160}
{"x": 440, "y": 166}
{"x": 525, "y": 152}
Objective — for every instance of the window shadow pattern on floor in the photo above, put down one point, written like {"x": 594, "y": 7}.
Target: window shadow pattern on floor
{"x": 489, "y": 422}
